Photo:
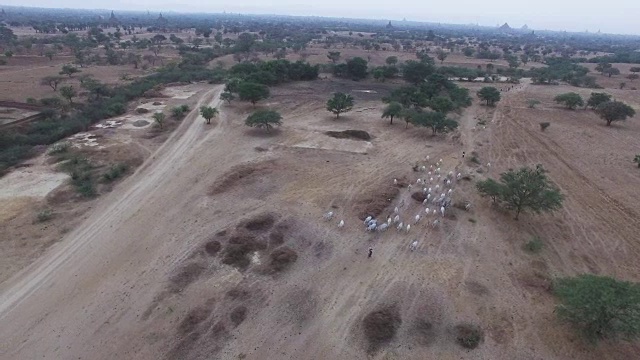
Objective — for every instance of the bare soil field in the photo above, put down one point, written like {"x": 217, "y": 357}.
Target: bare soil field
{"x": 217, "y": 248}
{"x": 21, "y": 79}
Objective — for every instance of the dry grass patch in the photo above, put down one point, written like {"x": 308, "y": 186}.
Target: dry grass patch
{"x": 282, "y": 258}
{"x": 238, "y": 315}
{"x": 381, "y": 326}
{"x": 185, "y": 276}
{"x": 468, "y": 336}
{"x": 193, "y": 318}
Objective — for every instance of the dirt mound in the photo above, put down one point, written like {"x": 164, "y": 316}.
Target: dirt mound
{"x": 239, "y": 175}
{"x": 236, "y": 252}
{"x": 468, "y": 335}
{"x": 350, "y": 134}
{"x": 282, "y": 258}
{"x": 142, "y": 110}
{"x": 185, "y": 276}
{"x": 418, "y": 196}
{"x": 259, "y": 222}
{"x": 238, "y": 294}
{"x": 238, "y": 315}
{"x": 374, "y": 203}
{"x": 424, "y": 332}
{"x": 212, "y": 247}
{"x": 381, "y": 326}
{"x": 193, "y": 318}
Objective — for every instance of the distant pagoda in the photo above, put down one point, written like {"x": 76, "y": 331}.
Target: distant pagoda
{"x": 505, "y": 27}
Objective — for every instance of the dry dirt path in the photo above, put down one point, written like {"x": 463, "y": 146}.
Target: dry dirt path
{"x": 35, "y": 289}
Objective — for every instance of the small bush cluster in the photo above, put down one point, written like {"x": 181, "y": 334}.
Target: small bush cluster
{"x": 115, "y": 172}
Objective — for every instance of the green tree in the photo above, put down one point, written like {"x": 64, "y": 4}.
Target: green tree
{"x": 635, "y": 69}
{"x": 69, "y": 70}
{"x": 598, "y": 98}
{"x": 490, "y": 188}
{"x": 441, "y": 55}
{"x": 264, "y": 119}
{"x": 208, "y": 113}
{"x": 633, "y": 77}
{"x": 416, "y": 72}
{"x": 248, "y": 91}
{"x": 334, "y": 56}
{"x": 489, "y": 94}
{"x": 50, "y": 54}
{"x": 612, "y": 71}
{"x": 441, "y": 104}
{"x": 227, "y": 96}
{"x": 436, "y": 121}
{"x": 636, "y": 159}
{"x": 159, "y": 118}
{"x": 600, "y": 306}
{"x": 614, "y": 111}
{"x": 392, "y": 110}
{"x": 340, "y": 103}
{"x": 52, "y": 81}
{"x": 391, "y": 60}
{"x": 468, "y": 51}
{"x": 602, "y": 67}
{"x": 570, "y": 100}
{"x": 357, "y": 68}
{"x": 525, "y": 189}
{"x": 68, "y": 92}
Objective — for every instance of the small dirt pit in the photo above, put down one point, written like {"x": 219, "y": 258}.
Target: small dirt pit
{"x": 320, "y": 141}
{"x": 350, "y": 134}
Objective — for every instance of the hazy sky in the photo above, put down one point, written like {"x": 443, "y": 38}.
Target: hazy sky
{"x": 613, "y": 16}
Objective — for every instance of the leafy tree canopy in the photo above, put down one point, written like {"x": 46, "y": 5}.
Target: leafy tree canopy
{"x": 489, "y": 94}
{"x": 523, "y": 189}
{"x": 600, "y": 306}
{"x": 611, "y": 111}
{"x": 266, "y": 119}
{"x": 340, "y": 103}
{"x": 598, "y": 98}
{"x": 570, "y": 100}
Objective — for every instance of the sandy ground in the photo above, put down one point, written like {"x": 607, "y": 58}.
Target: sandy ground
{"x": 135, "y": 280}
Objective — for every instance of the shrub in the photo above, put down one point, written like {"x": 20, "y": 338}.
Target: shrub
{"x": 532, "y": 103}
{"x": 44, "y": 215}
{"x": 544, "y": 126}
{"x": 177, "y": 112}
{"x": 534, "y": 245}
{"x": 59, "y": 148}
{"x": 115, "y": 172}
{"x": 468, "y": 336}
{"x": 32, "y": 101}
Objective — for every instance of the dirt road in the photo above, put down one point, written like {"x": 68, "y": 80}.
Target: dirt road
{"x": 20, "y": 295}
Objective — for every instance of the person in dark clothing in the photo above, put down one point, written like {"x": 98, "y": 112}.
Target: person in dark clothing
{"x": 370, "y": 252}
